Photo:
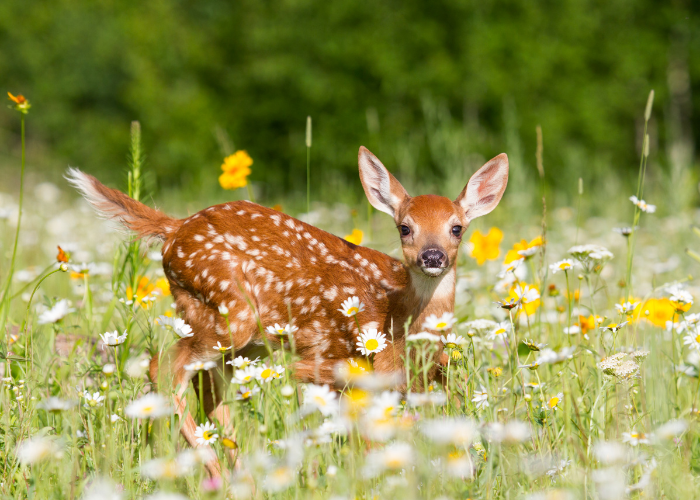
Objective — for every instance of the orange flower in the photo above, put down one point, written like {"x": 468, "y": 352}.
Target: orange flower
{"x": 18, "y": 99}
{"x": 236, "y": 169}
{"x": 486, "y": 247}
{"x": 354, "y": 237}
{"x": 522, "y": 246}
{"x": 589, "y": 323}
{"x": 659, "y": 311}
{"x": 21, "y": 102}
{"x": 62, "y": 256}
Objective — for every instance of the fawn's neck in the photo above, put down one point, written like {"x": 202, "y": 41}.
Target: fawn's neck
{"x": 426, "y": 295}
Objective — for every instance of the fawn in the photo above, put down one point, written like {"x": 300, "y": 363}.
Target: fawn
{"x": 266, "y": 267}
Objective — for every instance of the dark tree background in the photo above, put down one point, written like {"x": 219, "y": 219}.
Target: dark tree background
{"x": 423, "y": 84}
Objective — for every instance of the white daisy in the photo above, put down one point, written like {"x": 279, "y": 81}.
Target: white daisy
{"x": 281, "y": 331}
{"x": 454, "y": 431}
{"x": 385, "y": 405}
{"x": 54, "y": 404}
{"x": 93, "y": 400}
{"x": 59, "y": 310}
{"x": 452, "y": 340}
{"x": 481, "y": 398}
{"x": 692, "y": 339}
{"x": 205, "y": 434}
{"x": 351, "y": 307}
{"x": 177, "y": 325}
{"x": 417, "y": 337}
{"x": 626, "y": 308}
{"x": 200, "y": 365}
{"x": 241, "y": 362}
{"x": 152, "y": 405}
{"x": 553, "y": 402}
{"x": 245, "y": 375}
{"x": 269, "y": 373}
{"x": 395, "y": 456}
{"x": 643, "y": 205}
{"x": 113, "y": 339}
{"x": 440, "y": 323}
{"x": 479, "y": 326}
{"x": 321, "y": 398}
{"x": 371, "y": 341}
{"x": 500, "y": 331}
{"x": 221, "y": 348}
{"x": 562, "y": 265}
{"x": 37, "y": 449}
{"x": 223, "y": 310}
{"x": 634, "y": 438}
{"x": 245, "y": 393}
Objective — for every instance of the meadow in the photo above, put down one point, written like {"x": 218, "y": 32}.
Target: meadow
{"x": 573, "y": 374}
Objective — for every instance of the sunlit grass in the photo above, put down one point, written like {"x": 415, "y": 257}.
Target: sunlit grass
{"x": 573, "y": 370}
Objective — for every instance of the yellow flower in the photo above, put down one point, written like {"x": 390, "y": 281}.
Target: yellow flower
{"x": 354, "y": 237}
{"x": 236, "y": 169}
{"x": 146, "y": 289}
{"x": 660, "y": 311}
{"x": 529, "y": 307}
{"x": 523, "y": 246}
{"x": 486, "y": 247}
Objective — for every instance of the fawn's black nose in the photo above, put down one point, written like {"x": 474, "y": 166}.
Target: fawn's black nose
{"x": 433, "y": 258}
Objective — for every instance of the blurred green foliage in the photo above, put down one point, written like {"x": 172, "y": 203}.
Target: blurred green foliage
{"x": 433, "y": 88}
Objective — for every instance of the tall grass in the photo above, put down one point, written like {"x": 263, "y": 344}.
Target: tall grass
{"x": 549, "y": 399}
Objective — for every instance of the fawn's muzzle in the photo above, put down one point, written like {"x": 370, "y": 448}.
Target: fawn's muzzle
{"x": 432, "y": 258}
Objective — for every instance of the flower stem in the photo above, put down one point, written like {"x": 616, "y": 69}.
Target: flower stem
{"x": 5, "y": 304}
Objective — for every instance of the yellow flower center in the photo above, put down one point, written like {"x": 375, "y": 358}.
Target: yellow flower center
{"x": 266, "y": 373}
{"x": 371, "y": 344}
{"x": 451, "y": 345}
{"x": 246, "y": 394}
{"x": 564, "y": 266}
{"x": 353, "y": 310}
{"x": 500, "y": 331}
{"x": 553, "y": 402}
{"x": 394, "y": 462}
{"x": 147, "y": 409}
{"x": 280, "y": 331}
{"x": 442, "y": 324}
{"x": 207, "y": 435}
{"x": 697, "y": 339}
{"x": 320, "y": 401}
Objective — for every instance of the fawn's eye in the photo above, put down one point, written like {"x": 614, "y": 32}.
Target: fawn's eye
{"x": 457, "y": 231}
{"x": 405, "y": 230}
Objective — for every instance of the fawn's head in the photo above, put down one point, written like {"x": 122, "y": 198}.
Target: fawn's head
{"x": 431, "y": 226}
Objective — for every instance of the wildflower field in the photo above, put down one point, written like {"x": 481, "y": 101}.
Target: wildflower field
{"x": 573, "y": 360}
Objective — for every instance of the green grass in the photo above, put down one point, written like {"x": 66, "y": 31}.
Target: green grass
{"x": 452, "y": 449}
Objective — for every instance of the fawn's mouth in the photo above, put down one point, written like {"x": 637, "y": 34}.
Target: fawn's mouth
{"x": 433, "y": 272}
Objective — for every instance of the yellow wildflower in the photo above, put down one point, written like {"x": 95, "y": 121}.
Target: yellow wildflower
{"x": 354, "y": 237}
{"x": 236, "y": 169}
{"x": 660, "y": 311}
{"x": 522, "y": 246}
{"x": 486, "y": 247}
{"x": 529, "y": 307}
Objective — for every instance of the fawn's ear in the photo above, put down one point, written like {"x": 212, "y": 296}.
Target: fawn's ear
{"x": 485, "y": 188}
{"x": 383, "y": 191}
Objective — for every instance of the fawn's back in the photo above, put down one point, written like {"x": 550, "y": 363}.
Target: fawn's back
{"x": 257, "y": 261}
